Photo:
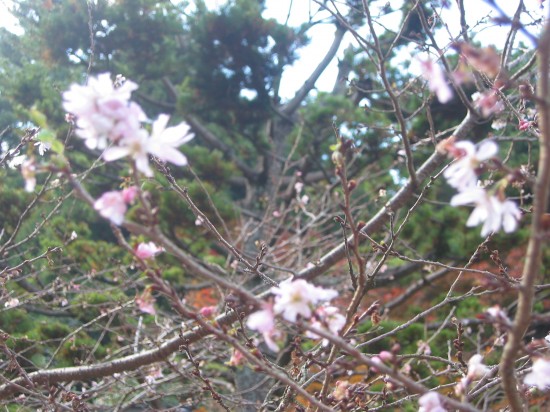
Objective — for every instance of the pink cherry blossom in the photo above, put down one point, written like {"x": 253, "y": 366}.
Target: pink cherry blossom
{"x": 437, "y": 83}
{"x": 488, "y": 103}
{"x": 462, "y": 173}
{"x": 208, "y": 311}
{"x": 129, "y": 194}
{"x": 293, "y": 298}
{"x": 539, "y": 375}
{"x": 237, "y": 358}
{"x": 524, "y": 125}
{"x": 155, "y": 373}
{"x": 263, "y": 321}
{"x": 430, "y": 402}
{"x": 145, "y": 302}
{"x": 111, "y": 206}
{"x": 489, "y": 210}
{"x": 148, "y": 250}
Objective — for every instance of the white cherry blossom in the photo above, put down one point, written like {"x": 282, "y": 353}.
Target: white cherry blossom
{"x": 293, "y": 298}
{"x": 430, "y": 402}
{"x": 539, "y": 375}
{"x": 162, "y": 143}
{"x": 489, "y": 210}
{"x": 462, "y": 174}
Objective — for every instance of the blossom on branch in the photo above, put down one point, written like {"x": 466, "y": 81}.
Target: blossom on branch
{"x": 539, "y": 375}
{"x": 107, "y": 119}
{"x": 103, "y": 111}
{"x": 113, "y": 205}
{"x": 327, "y": 318}
{"x": 437, "y": 83}
{"x": 263, "y": 321}
{"x": 490, "y": 210}
{"x": 476, "y": 368}
{"x": 146, "y": 302}
{"x": 430, "y": 402}
{"x": 488, "y": 102}
{"x": 293, "y": 298}
{"x": 148, "y": 250}
{"x": 463, "y": 173}
{"x": 162, "y": 143}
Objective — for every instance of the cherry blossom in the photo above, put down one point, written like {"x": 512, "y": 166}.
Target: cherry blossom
{"x": 437, "y": 83}
{"x": 327, "y": 317}
{"x": 112, "y": 205}
{"x": 43, "y": 147}
{"x": 129, "y": 194}
{"x": 155, "y": 373}
{"x": 539, "y": 375}
{"x": 462, "y": 174}
{"x": 488, "y": 102}
{"x": 263, "y": 321}
{"x": 12, "y": 303}
{"x": 476, "y": 368}
{"x": 524, "y": 125}
{"x": 148, "y": 250}
{"x": 162, "y": 143}
{"x": 489, "y": 210}
{"x": 430, "y": 402}
{"x": 293, "y": 298}
{"x": 208, "y": 311}
{"x": 237, "y": 358}
{"x": 28, "y": 171}
{"x": 145, "y": 302}
{"x": 103, "y": 111}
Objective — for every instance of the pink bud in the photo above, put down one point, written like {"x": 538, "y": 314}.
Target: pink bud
{"x": 208, "y": 311}
{"x": 129, "y": 194}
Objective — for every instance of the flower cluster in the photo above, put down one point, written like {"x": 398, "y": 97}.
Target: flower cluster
{"x": 490, "y": 207}
{"x": 294, "y": 298}
{"x": 107, "y": 119}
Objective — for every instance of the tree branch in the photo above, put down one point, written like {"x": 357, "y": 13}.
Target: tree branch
{"x": 533, "y": 258}
{"x": 289, "y": 108}
{"x": 395, "y": 203}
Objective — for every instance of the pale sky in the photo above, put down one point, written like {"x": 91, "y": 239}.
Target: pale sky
{"x": 321, "y": 35}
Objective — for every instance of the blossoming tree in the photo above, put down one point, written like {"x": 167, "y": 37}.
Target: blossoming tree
{"x": 177, "y": 236}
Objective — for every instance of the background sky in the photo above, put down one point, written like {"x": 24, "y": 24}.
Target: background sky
{"x": 300, "y": 11}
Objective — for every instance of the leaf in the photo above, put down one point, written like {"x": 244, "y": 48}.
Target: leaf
{"x": 47, "y": 136}
{"x": 38, "y": 118}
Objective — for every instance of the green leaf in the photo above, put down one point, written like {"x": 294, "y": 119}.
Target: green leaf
{"x": 47, "y": 136}
{"x": 38, "y": 118}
